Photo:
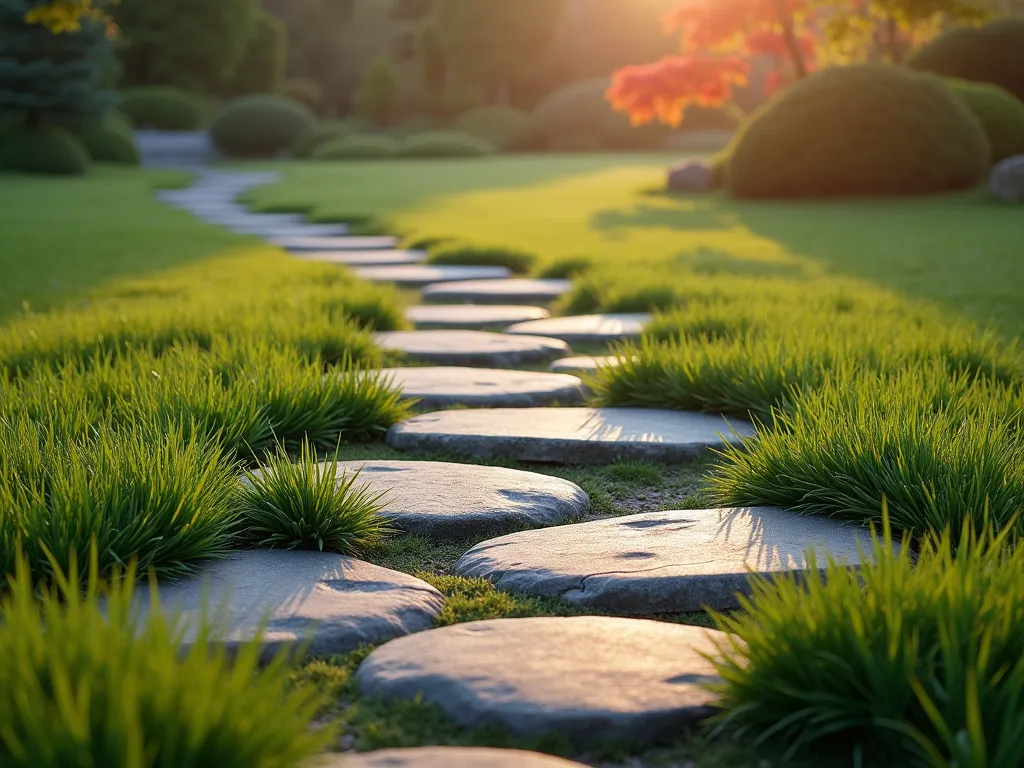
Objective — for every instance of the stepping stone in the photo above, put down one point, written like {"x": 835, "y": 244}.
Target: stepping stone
{"x": 438, "y": 388}
{"x": 589, "y": 679}
{"x": 474, "y": 348}
{"x": 583, "y": 364}
{"x": 457, "y": 501}
{"x": 441, "y": 316}
{"x": 569, "y": 435}
{"x": 335, "y": 603}
{"x": 419, "y": 276}
{"x": 514, "y": 291}
{"x": 585, "y": 329}
{"x": 365, "y": 258}
{"x": 371, "y": 243}
{"x": 273, "y": 231}
{"x": 447, "y": 757}
{"x": 661, "y": 562}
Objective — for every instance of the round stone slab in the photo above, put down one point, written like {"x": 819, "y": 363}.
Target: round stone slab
{"x": 351, "y": 243}
{"x": 271, "y": 230}
{"x": 474, "y": 348}
{"x": 661, "y": 562}
{"x": 335, "y": 603}
{"x": 419, "y": 276}
{"x": 568, "y": 435}
{"x": 446, "y": 757}
{"x": 583, "y": 364}
{"x": 587, "y": 678}
{"x": 455, "y": 501}
{"x": 382, "y": 258}
{"x": 445, "y": 387}
{"x": 443, "y": 316}
{"x": 585, "y": 329}
{"x": 514, "y": 291}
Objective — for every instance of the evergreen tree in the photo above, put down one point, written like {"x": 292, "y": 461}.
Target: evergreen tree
{"x": 51, "y": 77}
{"x": 378, "y": 94}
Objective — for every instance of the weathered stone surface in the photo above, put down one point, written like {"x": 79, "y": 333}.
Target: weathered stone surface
{"x": 568, "y": 435}
{"x": 590, "y": 679}
{"x": 583, "y": 364}
{"x": 474, "y": 348}
{"x": 335, "y": 603}
{"x": 514, "y": 291}
{"x": 661, "y": 562}
{"x": 1007, "y": 179}
{"x": 690, "y": 176}
{"x": 585, "y": 329}
{"x": 469, "y": 316}
{"x": 270, "y": 230}
{"x": 382, "y": 258}
{"x": 437, "y": 388}
{"x": 446, "y": 757}
{"x": 244, "y": 220}
{"x": 352, "y": 243}
{"x": 419, "y": 276}
{"x": 174, "y": 149}
{"x": 456, "y": 501}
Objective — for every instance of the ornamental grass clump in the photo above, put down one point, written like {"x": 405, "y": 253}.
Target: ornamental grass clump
{"x": 310, "y": 505}
{"x": 913, "y": 659}
{"x": 84, "y": 681}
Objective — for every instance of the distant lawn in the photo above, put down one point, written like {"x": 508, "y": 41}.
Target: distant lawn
{"x": 961, "y": 253}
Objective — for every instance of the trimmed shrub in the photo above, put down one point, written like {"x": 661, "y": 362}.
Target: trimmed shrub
{"x": 579, "y": 118}
{"x": 859, "y": 130}
{"x": 321, "y": 134}
{"x": 48, "y": 149}
{"x": 110, "y": 141}
{"x": 1000, "y": 112}
{"x": 161, "y": 107}
{"x": 378, "y": 93}
{"x": 495, "y": 256}
{"x": 304, "y": 90}
{"x": 414, "y": 125}
{"x": 574, "y": 266}
{"x": 261, "y": 68}
{"x": 260, "y": 124}
{"x": 990, "y": 54}
{"x": 444, "y": 144}
{"x": 360, "y": 146}
{"x": 502, "y": 127}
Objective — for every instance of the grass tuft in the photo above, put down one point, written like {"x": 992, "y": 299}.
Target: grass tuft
{"x": 518, "y": 262}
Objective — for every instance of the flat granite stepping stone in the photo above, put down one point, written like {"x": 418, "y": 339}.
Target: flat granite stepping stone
{"x": 584, "y": 364}
{"x": 348, "y": 243}
{"x": 442, "y": 316}
{"x": 446, "y": 757}
{"x": 456, "y": 501}
{"x": 513, "y": 291}
{"x": 661, "y": 562}
{"x": 590, "y": 679}
{"x": 419, "y": 276}
{"x": 445, "y": 387}
{"x": 382, "y": 258}
{"x": 479, "y": 349}
{"x": 335, "y": 603}
{"x": 585, "y": 329}
{"x": 275, "y": 231}
{"x": 568, "y": 435}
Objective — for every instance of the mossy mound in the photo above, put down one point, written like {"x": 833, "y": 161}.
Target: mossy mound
{"x": 48, "y": 149}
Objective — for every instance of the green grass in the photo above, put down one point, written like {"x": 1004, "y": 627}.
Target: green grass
{"x": 518, "y": 262}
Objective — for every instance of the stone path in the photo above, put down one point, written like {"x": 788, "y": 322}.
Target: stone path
{"x": 446, "y": 387}
{"x": 419, "y": 276}
{"x": 473, "y": 348}
{"x": 456, "y": 501}
{"x": 334, "y": 602}
{"x": 471, "y": 316}
{"x": 513, "y": 291}
{"x": 589, "y": 679}
{"x": 583, "y": 364}
{"x": 381, "y": 258}
{"x": 446, "y": 757}
{"x": 585, "y": 329}
{"x": 313, "y": 243}
{"x": 662, "y": 562}
{"x": 568, "y": 435}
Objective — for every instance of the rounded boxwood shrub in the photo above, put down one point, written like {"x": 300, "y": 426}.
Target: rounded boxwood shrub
{"x": 414, "y": 125}
{"x": 990, "y": 54}
{"x": 321, "y": 134}
{"x": 503, "y": 127}
{"x": 260, "y": 124}
{"x": 162, "y": 107}
{"x": 48, "y": 149}
{"x": 579, "y": 118}
{"x": 1000, "y": 112}
{"x": 110, "y": 141}
{"x": 360, "y": 146}
{"x": 862, "y": 130}
{"x": 444, "y": 144}
{"x": 304, "y": 90}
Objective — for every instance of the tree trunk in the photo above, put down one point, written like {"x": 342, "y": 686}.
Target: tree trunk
{"x": 792, "y": 44}
{"x": 892, "y": 32}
